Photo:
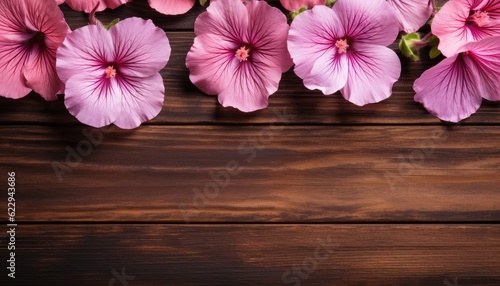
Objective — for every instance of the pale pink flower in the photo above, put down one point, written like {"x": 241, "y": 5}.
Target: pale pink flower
{"x": 88, "y": 5}
{"x": 30, "y": 32}
{"x": 453, "y": 89}
{"x": 412, "y": 14}
{"x": 112, "y": 76}
{"x": 463, "y": 21}
{"x": 168, "y": 7}
{"x": 345, "y": 48}
{"x": 295, "y": 5}
{"x": 239, "y": 52}
{"x": 172, "y": 7}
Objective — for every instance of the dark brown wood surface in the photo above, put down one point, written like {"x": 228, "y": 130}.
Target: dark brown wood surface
{"x": 206, "y": 195}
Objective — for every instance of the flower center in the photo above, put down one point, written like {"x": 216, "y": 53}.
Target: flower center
{"x": 110, "y": 72}
{"x": 481, "y": 18}
{"x": 243, "y": 53}
{"x": 342, "y": 46}
{"x": 36, "y": 39}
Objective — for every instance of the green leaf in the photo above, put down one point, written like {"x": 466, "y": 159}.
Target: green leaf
{"x": 203, "y": 2}
{"x": 295, "y": 14}
{"x": 434, "y": 53}
{"x": 330, "y": 3}
{"x": 111, "y": 24}
{"x": 433, "y": 41}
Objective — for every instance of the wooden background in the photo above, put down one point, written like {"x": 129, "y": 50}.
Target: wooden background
{"x": 385, "y": 194}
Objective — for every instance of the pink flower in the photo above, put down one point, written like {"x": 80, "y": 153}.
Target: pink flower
{"x": 344, "y": 48}
{"x": 30, "y": 32}
{"x": 463, "y": 21}
{"x": 452, "y": 90}
{"x": 88, "y": 5}
{"x": 412, "y": 14}
{"x": 239, "y": 52}
{"x": 295, "y": 5}
{"x": 172, "y": 7}
{"x": 112, "y": 76}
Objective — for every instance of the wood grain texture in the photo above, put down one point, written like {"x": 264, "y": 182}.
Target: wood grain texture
{"x": 60, "y": 255}
{"x": 285, "y": 173}
{"x": 402, "y": 198}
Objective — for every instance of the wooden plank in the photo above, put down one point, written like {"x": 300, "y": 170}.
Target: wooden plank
{"x": 255, "y": 174}
{"x": 257, "y": 255}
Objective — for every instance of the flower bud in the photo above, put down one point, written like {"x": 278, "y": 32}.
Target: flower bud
{"x": 410, "y": 44}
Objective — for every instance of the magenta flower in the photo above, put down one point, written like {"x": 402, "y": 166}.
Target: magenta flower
{"x": 463, "y": 21}
{"x": 412, "y": 14}
{"x": 87, "y": 5}
{"x": 453, "y": 89}
{"x": 344, "y": 48}
{"x": 171, "y": 7}
{"x": 30, "y": 33}
{"x": 239, "y": 52}
{"x": 295, "y": 5}
{"x": 112, "y": 76}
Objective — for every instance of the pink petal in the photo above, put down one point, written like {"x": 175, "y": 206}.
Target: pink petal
{"x": 112, "y": 4}
{"x": 46, "y": 17}
{"x": 93, "y": 99}
{"x": 85, "y": 50}
{"x": 12, "y": 38}
{"x": 485, "y": 54}
{"x": 227, "y": 19}
{"x": 219, "y": 32}
{"x": 59, "y": 2}
{"x": 491, "y": 6}
{"x": 41, "y": 76}
{"x": 252, "y": 84}
{"x": 295, "y": 5}
{"x": 87, "y": 6}
{"x": 40, "y": 71}
{"x": 12, "y": 82}
{"x": 172, "y": 7}
{"x": 211, "y": 63}
{"x": 311, "y": 42}
{"x": 371, "y": 22}
{"x": 449, "y": 25}
{"x": 373, "y": 70}
{"x": 453, "y": 29}
{"x": 30, "y": 33}
{"x": 412, "y": 14}
{"x": 142, "y": 100}
{"x": 140, "y": 48}
{"x": 267, "y": 32}
{"x": 450, "y": 89}
{"x": 12, "y": 18}
{"x": 329, "y": 73}
{"x": 228, "y": 26}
